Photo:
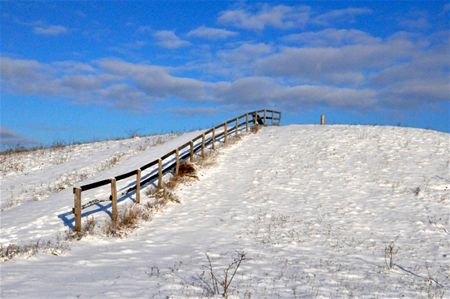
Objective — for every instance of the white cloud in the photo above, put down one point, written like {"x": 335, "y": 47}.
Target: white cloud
{"x": 332, "y": 37}
{"x": 134, "y": 86}
{"x": 416, "y": 20}
{"x": 253, "y": 91}
{"x": 423, "y": 79}
{"x": 345, "y": 64}
{"x": 279, "y": 16}
{"x": 259, "y": 17}
{"x": 244, "y": 53}
{"x": 52, "y": 30}
{"x": 342, "y": 97}
{"x": 400, "y": 70}
{"x": 211, "y": 33}
{"x": 168, "y": 39}
{"x": 247, "y": 90}
{"x": 347, "y": 15}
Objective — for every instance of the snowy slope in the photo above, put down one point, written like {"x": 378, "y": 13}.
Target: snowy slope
{"x": 313, "y": 207}
{"x": 43, "y": 219}
{"x": 37, "y": 174}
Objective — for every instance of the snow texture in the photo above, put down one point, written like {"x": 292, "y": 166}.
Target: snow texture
{"x": 313, "y": 207}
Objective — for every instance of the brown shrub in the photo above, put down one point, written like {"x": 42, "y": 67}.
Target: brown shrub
{"x": 129, "y": 218}
{"x": 186, "y": 172}
{"x": 165, "y": 196}
{"x": 187, "y": 169}
{"x": 126, "y": 220}
{"x": 255, "y": 129}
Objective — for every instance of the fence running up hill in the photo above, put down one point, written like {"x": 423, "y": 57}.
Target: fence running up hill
{"x": 186, "y": 151}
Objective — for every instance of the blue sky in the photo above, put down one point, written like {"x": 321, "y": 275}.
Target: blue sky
{"x": 77, "y": 71}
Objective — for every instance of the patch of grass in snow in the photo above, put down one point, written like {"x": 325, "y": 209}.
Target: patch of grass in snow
{"x": 12, "y": 250}
{"x": 255, "y": 129}
{"x": 128, "y": 219}
{"x": 217, "y": 280}
{"x": 389, "y": 252}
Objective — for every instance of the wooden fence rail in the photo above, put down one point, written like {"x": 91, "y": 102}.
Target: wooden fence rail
{"x": 183, "y": 152}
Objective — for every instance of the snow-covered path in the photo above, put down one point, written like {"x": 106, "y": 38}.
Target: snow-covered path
{"x": 313, "y": 207}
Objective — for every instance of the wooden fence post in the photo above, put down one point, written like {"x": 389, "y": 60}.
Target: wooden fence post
{"x": 246, "y": 122}
{"x": 213, "y": 145}
{"x": 322, "y": 119}
{"x": 160, "y": 176}
{"x": 191, "y": 151}
{"x": 237, "y": 127}
{"x": 255, "y": 118}
{"x": 265, "y": 118}
{"x": 114, "y": 200}
{"x": 138, "y": 186}
{"x": 225, "y": 133}
{"x": 203, "y": 146}
{"x": 77, "y": 208}
{"x": 177, "y": 163}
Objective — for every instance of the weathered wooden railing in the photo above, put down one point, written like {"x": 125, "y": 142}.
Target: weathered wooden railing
{"x": 186, "y": 151}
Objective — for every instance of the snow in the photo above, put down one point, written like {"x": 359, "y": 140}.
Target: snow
{"x": 41, "y": 219}
{"x": 313, "y": 208}
{"x": 35, "y": 175}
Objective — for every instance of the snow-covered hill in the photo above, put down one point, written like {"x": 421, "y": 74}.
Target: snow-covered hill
{"x": 37, "y": 174}
{"x": 320, "y": 211}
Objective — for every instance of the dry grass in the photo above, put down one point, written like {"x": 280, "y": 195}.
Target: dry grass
{"x": 187, "y": 169}
{"x": 127, "y": 221}
{"x": 186, "y": 173}
{"x": 255, "y": 129}
{"x": 12, "y": 250}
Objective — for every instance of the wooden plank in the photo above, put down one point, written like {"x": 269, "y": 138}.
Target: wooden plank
{"x": 94, "y": 185}
{"x": 77, "y": 208}
{"x": 114, "y": 201}
{"x": 138, "y": 186}
{"x": 125, "y": 175}
{"x": 219, "y": 126}
{"x": 246, "y": 122}
{"x": 191, "y": 151}
{"x": 168, "y": 155}
{"x": 213, "y": 144}
{"x": 184, "y": 145}
{"x": 265, "y": 120}
{"x": 203, "y": 146}
{"x": 177, "y": 162}
{"x": 225, "y": 133}
{"x": 237, "y": 126}
{"x": 208, "y": 131}
{"x": 149, "y": 165}
{"x": 160, "y": 175}
{"x": 322, "y": 119}
{"x": 197, "y": 138}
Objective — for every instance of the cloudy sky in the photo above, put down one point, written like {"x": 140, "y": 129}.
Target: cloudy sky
{"x": 73, "y": 71}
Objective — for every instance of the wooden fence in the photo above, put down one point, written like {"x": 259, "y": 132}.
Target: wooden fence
{"x": 186, "y": 151}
